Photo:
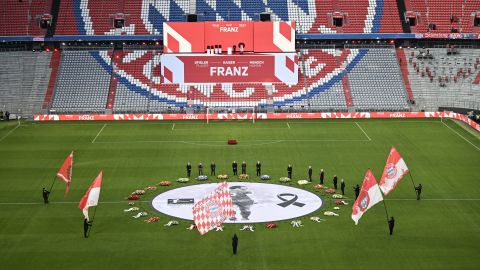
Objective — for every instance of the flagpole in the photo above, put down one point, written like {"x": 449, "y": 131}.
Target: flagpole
{"x": 53, "y": 183}
{"x": 411, "y": 178}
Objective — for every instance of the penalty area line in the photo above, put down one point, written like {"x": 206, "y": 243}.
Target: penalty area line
{"x": 10, "y": 132}
{"x": 368, "y": 137}
{"x": 288, "y": 125}
{"x": 98, "y": 134}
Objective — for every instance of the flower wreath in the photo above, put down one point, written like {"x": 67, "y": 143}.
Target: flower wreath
{"x": 330, "y": 190}
{"x": 319, "y": 186}
{"x": 164, "y": 183}
{"x": 138, "y": 192}
{"x": 183, "y": 180}
{"x": 222, "y": 176}
{"x": 133, "y": 197}
{"x": 151, "y": 188}
{"x": 271, "y": 225}
{"x": 302, "y": 182}
{"x": 265, "y": 177}
{"x": 337, "y": 196}
{"x": 285, "y": 179}
{"x": 243, "y": 176}
{"x": 202, "y": 178}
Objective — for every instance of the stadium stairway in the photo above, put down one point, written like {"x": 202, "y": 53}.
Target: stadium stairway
{"x": 54, "y": 66}
{"x": 112, "y": 89}
{"x": 402, "y": 60}
{"x": 347, "y": 92}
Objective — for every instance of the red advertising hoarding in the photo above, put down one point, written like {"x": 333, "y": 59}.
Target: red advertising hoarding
{"x": 183, "y": 37}
{"x": 274, "y": 37}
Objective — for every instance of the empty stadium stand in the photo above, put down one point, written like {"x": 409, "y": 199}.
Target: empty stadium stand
{"x": 444, "y": 80}
{"x": 24, "y": 81}
{"x": 82, "y": 83}
{"x": 21, "y": 18}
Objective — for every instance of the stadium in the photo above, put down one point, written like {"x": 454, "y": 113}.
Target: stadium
{"x": 243, "y": 134}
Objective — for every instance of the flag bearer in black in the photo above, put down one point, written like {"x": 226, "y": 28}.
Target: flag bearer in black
{"x": 86, "y": 225}
{"x": 418, "y": 189}
{"x": 45, "y": 194}
{"x": 310, "y": 171}
{"x": 244, "y": 167}
{"x": 391, "y": 224}
{"x": 357, "y": 191}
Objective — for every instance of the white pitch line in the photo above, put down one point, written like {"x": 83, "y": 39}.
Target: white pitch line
{"x": 98, "y": 134}
{"x": 118, "y": 202}
{"x": 363, "y": 131}
{"x": 461, "y": 136}
{"x": 173, "y": 126}
{"x": 10, "y": 132}
{"x": 288, "y": 125}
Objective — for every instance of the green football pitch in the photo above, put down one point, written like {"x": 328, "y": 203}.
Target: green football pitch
{"x": 441, "y": 231}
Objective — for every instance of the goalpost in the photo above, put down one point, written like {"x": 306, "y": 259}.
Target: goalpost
{"x": 233, "y": 113}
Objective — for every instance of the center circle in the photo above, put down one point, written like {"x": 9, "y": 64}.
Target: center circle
{"x": 253, "y": 202}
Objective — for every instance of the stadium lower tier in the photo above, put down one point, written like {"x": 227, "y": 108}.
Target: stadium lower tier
{"x": 329, "y": 80}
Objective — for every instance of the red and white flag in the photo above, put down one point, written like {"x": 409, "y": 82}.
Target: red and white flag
{"x": 91, "y": 197}
{"x": 212, "y": 210}
{"x": 65, "y": 172}
{"x": 394, "y": 171}
{"x": 370, "y": 195}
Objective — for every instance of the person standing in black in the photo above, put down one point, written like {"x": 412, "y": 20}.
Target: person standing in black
{"x": 259, "y": 168}
{"x": 310, "y": 171}
{"x": 234, "y": 243}
{"x": 200, "y": 169}
{"x": 86, "y": 225}
{"x": 342, "y": 187}
{"x": 322, "y": 175}
{"x": 189, "y": 169}
{"x": 7, "y": 116}
{"x": 289, "y": 171}
{"x": 212, "y": 168}
{"x": 45, "y": 194}
{"x": 357, "y": 191}
{"x": 244, "y": 167}
{"x": 391, "y": 224}
{"x": 234, "y": 167}
{"x": 335, "y": 180}
{"x": 418, "y": 189}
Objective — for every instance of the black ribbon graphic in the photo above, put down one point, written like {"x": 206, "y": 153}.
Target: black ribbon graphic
{"x": 287, "y": 202}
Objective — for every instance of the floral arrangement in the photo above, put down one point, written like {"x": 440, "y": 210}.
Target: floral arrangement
{"x": 296, "y": 223}
{"x": 131, "y": 209}
{"x": 337, "y": 196}
{"x": 131, "y": 203}
{"x": 341, "y": 202}
{"x": 330, "y": 191}
{"x": 265, "y": 177}
{"x": 336, "y": 208}
{"x": 141, "y": 214}
{"x": 138, "y": 192}
{"x": 271, "y": 225}
{"x": 164, "y": 183}
{"x": 232, "y": 142}
{"x": 133, "y": 197}
{"x": 302, "y": 182}
{"x": 222, "y": 176}
{"x": 330, "y": 214}
{"x": 152, "y": 219}
{"x": 202, "y": 178}
{"x": 151, "y": 188}
{"x": 285, "y": 179}
{"x": 243, "y": 176}
{"x": 183, "y": 180}
{"x": 318, "y": 187}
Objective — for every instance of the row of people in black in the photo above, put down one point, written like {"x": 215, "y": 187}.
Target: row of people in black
{"x": 5, "y": 116}
{"x": 213, "y": 168}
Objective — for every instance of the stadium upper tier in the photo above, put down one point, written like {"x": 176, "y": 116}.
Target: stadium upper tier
{"x": 88, "y": 17}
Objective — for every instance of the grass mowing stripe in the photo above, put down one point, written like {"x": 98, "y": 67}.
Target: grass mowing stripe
{"x": 478, "y": 148}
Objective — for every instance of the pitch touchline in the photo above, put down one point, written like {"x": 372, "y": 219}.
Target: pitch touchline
{"x": 461, "y": 136}
{"x": 116, "y": 202}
